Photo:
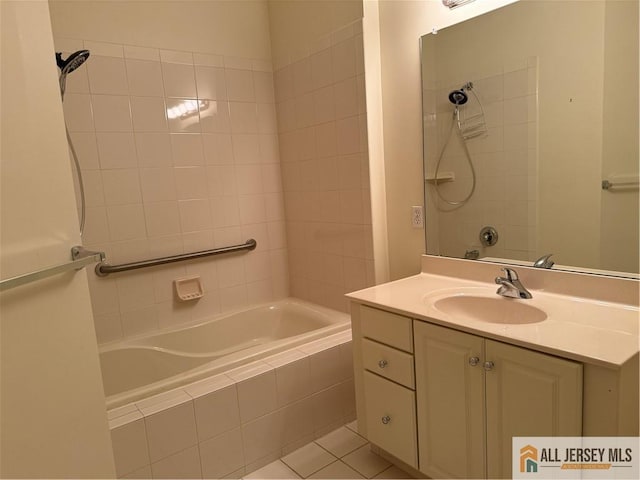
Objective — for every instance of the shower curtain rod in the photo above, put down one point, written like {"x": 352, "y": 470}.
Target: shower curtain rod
{"x": 80, "y": 259}
{"x": 103, "y": 269}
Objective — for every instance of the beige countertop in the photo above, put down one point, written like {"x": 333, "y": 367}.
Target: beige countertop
{"x": 590, "y": 331}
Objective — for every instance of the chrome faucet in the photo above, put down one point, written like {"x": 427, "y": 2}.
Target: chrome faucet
{"x": 511, "y": 286}
{"x": 544, "y": 261}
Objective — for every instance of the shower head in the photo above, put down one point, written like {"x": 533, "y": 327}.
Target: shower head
{"x": 458, "y": 97}
{"x": 72, "y": 62}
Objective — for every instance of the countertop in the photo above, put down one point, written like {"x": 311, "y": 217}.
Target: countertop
{"x": 589, "y": 331}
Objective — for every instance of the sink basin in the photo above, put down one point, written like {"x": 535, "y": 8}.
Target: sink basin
{"x": 490, "y": 309}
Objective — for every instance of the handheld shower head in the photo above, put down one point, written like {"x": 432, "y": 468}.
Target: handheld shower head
{"x": 72, "y": 62}
{"x": 458, "y": 97}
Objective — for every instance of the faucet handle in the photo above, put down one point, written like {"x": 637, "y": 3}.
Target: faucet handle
{"x": 544, "y": 261}
{"x": 512, "y": 275}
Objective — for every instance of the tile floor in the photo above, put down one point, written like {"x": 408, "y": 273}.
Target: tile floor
{"x": 340, "y": 454}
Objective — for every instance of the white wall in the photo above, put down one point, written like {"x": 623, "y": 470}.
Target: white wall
{"x": 619, "y": 224}
{"x": 402, "y": 23}
{"x": 298, "y": 28}
{"x": 53, "y": 415}
{"x": 235, "y": 28}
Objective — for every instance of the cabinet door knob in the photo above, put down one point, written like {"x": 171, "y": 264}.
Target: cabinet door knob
{"x": 386, "y": 419}
{"x": 473, "y": 361}
{"x": 383, "y": 363}
{"x": 488, "y": 366}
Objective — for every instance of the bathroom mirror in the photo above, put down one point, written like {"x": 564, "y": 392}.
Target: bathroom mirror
{"x": 544, "y": 146}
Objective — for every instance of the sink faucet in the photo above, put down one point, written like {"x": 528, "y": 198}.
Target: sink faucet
{"x": 544, "y": 261}
{"x": 511, "y": 286}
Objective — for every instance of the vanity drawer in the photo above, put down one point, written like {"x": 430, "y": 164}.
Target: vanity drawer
{"x": 388, "y": 362}
{"x": 386, "y": 327}
{"x": 391, "y": 418}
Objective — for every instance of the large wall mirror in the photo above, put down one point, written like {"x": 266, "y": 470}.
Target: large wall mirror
{"x": 531, "y": 135}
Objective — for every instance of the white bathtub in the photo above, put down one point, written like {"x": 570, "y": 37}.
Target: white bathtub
{"x": 144, "y": 366}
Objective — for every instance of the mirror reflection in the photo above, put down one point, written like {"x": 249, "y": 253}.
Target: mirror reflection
{"x": 531, "y": 136}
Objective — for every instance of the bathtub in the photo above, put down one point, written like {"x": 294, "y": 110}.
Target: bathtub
{"x": 144, "y": 366}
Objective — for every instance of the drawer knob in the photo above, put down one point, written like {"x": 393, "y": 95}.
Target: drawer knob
{"x": 473, "y": 361}
{"x": 488, "y": 366}
{"x": 383, "y": 363}
{"x": 386, "y": 419}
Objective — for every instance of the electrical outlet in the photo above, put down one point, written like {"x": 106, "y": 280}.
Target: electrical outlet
{"x": 417, "y": 216}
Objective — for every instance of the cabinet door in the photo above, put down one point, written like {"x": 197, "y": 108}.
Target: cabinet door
{"x": 528, "y": 394}
{"x": 450, "y": 402}
{"x": 391, "y": 417}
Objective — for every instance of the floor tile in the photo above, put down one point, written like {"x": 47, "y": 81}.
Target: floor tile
{"x": 366, "y": 462}
{"x": 393, "y": 472}
{"x": 276, "y": 469}
{"x": 308, "y": 459}
{"x": 341, "y": 441}
{"x": 337, "y": 469}
{"x": 353, "y": 426}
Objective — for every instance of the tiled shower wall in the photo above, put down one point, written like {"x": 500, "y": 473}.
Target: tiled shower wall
{"x": 320, "y": 101}
{"x": 505, "y": 161}
{"x": 179, "y": 153}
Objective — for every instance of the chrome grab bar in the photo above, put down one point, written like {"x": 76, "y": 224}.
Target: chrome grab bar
{"x": 80, "y": 259}
{"x": 103, "y": 269}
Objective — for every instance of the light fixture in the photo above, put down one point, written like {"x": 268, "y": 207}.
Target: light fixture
{"x": 455, "y": 3}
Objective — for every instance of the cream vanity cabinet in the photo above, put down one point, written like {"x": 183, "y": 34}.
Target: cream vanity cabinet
{"x": 473, "y": 395}
{"x": 386, "y": 377}
{"x": 447, "y": 402}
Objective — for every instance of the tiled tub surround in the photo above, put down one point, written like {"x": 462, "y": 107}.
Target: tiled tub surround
{"x": 158, "y": 185}
{"x": 146, "y": 365}
{"x": 234, "y": 423}
{"x": 179, "y": 153}
{"x": 320, "y": 101}
{"x": 505, "y": 160}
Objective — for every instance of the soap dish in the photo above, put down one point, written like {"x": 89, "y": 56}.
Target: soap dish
{"x": 188, "y": 288}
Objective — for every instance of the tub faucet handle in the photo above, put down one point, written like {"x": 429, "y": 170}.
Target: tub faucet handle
{"x": 544, "y": 261}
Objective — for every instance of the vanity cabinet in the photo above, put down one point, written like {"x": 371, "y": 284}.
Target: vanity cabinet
{"x": 473, "y": 395}
{"x": 447, "y": 403}
{"x": 385, "y": 376}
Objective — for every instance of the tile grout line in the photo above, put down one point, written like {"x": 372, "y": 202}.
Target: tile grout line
{"x": 315, "y": 471}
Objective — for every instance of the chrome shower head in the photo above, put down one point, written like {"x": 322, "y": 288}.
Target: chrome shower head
{"x": 72, "y": 62}
{"x": 458, "y": 97}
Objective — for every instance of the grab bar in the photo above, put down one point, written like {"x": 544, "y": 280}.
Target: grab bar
{"x": 103, "y": 269}
{"x": 81, "y": 258}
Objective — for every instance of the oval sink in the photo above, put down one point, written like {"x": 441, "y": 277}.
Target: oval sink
{"x": 490, "y": 309}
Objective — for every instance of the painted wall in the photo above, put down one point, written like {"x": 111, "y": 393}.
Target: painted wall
{"x": 299, "y": 28}
{"x": 619, "y": 225}
{"x": 161, "y": 183}
{"x": 237, "y": 29}
{"x": 401, "y": 25}
{"x": 320, "y": 95}
{"x": 53, "y": 417}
